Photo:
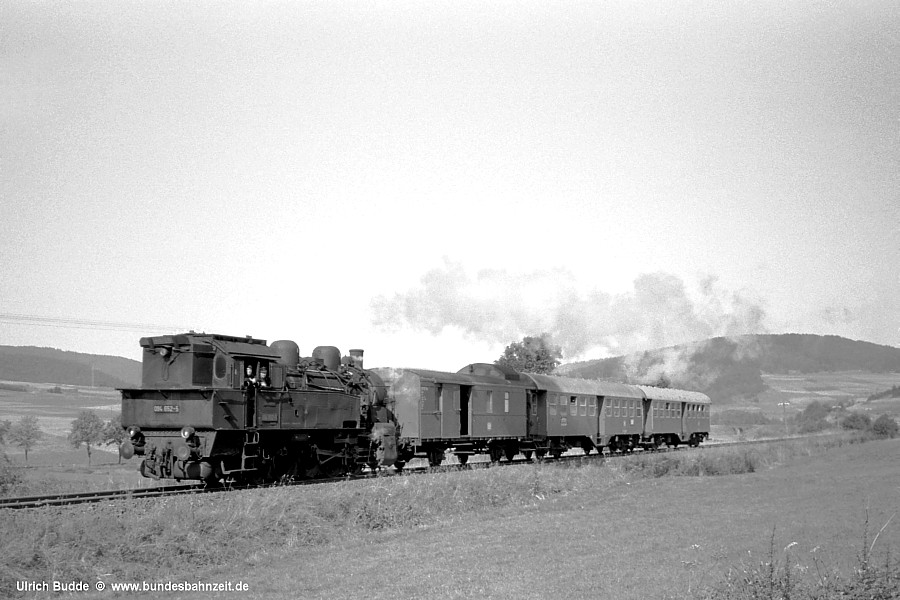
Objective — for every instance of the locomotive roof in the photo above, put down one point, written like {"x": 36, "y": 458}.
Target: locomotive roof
{"x": 592, "y": 387}
{"x": 239, "y": 346}
{"x": 656, "y": 393}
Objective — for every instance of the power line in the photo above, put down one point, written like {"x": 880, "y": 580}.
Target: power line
{"x": 19, "y": 319}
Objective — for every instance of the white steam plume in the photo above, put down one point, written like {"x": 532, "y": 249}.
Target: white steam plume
{"x": 498, "y": 306}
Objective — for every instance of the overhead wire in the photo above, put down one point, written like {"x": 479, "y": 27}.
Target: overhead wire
{"x": 21, "y": 319}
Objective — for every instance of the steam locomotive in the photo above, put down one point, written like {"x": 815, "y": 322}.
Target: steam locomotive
{"x": 206, "y": 411}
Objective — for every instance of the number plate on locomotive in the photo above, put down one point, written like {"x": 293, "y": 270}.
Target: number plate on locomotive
{"x": 166, "y": 408}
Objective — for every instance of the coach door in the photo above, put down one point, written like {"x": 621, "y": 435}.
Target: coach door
{"x": 430, "y": 412}
{"x": 450, "y": 411}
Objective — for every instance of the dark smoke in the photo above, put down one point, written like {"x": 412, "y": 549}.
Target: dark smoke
{"x": 498, "y": 306}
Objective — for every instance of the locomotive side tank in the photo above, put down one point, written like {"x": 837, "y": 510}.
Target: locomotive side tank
{"x": 213, "y": 407}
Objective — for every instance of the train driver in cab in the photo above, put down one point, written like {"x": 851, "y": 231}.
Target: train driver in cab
{"x": 249, "y": 380}
{"x": 263, "y": 380}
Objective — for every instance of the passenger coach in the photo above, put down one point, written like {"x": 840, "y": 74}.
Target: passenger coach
{"x": 490, "y": 409}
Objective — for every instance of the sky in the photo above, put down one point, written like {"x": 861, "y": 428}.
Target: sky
{"x": 431, "y": 181}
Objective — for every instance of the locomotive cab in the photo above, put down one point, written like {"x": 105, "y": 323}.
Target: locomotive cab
{"x": 193, "y": 360}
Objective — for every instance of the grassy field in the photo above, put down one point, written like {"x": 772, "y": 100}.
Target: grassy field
{"x": 53, "y": 464}
{"x": 829, "y": 387}
{"x": 643, "y": 527}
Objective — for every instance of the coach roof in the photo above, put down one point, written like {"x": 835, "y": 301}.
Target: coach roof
{"x": 591, "y": 387}
{"x": 672, "y": 395}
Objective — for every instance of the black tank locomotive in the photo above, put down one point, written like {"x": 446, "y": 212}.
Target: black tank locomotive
{"x": 204, "y": 411}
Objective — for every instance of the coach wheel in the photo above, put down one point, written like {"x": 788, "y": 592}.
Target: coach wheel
{"x": 586, "y": 446}
{"x": 435, "y": 457}
{"x": 527, "y": 454}
{"x": 510, "y": 452}
{"x": 496, "y": 453}
{"x": 463, "y": 458}
{"x": 399, "y": 465}
{"x": 540, "y": 454}
{"x": 556, "y": 452}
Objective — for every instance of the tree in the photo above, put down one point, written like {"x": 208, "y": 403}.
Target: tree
{"x": 885, "y": 426}
{"x": 4, "y": 429}
{"x": 113, "y": 433}
{"x": 25, "y": 433}
{"x": 532, "y": 355}
{"x": 814, "y": 418}
{"x": 857, "y": 421}
{"x": 87, "y": 429}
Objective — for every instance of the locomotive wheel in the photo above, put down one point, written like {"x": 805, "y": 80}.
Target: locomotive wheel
{"x": 399, "y": 465}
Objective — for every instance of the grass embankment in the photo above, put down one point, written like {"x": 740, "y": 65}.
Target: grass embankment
{"x": 530, "y": 531}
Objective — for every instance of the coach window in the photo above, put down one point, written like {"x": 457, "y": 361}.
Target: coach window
{"x": 616, "y": 407}
{"x": 640, "y": 410}
{"x": 583, "y": 404}
{"x": 505, "y": 401}
{"x": 608, "y": 405}
{"x": 593, "y": 405}
{"x": 490, "y": 401}
{"x": 551, "y": 403}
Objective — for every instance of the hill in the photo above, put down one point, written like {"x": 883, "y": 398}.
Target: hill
{"x": 48, "y": 365}
{"x": 733, "y": 367}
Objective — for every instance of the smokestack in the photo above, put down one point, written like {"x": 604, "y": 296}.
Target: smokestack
{"x": 357, "y": 355}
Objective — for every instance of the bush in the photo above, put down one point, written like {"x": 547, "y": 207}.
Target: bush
{"x": 885, "y": 426}
{"x": 9, "y": 475}
{"x": 857, "y": 421}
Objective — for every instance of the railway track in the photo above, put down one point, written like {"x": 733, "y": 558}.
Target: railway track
{"x": 173, "y": 490}
{"x": 86, "y": 497}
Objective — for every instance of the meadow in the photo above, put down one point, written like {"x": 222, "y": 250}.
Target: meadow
{"x": 714, "y": 523}
{"x": 54, "y": 465}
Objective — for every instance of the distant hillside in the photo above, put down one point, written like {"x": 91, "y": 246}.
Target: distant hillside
{"x": 731, "y": 367}
{"x": 48, "y": 365}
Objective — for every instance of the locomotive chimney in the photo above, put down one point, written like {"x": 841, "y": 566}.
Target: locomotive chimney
{"x": 357, "y": 355}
